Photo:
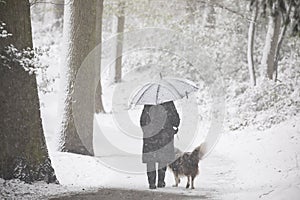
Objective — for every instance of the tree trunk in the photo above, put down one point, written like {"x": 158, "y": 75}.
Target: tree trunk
{"x": 53, "y": 10}
{"x": 99, "y": 108}
{"x": 80, "y": 32}
{"x": 191, "y": 9}
{"x": 120, "y": 31}
{"x": 281, "y": 37}
{"x": 251, "y": 33}
{"x": 23, "y": 151}
{"x": 58, "y": 10}
{"x": 210, "y": 15}
{"x": 269, "y": 52}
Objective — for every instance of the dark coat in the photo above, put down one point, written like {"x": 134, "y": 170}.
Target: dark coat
{"x": 157, "y": 122}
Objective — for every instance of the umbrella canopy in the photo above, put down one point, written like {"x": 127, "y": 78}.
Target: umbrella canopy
{"x": 164, "y": 90}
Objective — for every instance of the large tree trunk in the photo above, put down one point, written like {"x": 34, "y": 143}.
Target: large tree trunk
{"x": 251, "y": 33}
{"x": 23, "y": 152}
{"x": 80, "y": 32}
{"x": 269, "y": 52}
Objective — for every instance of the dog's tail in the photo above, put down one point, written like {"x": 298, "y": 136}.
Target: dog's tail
{"x": 200, "y": 151}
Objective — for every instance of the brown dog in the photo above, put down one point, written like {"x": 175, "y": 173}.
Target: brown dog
{"x": 186, "y": 164}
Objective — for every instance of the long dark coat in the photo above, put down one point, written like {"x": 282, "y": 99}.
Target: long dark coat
{"x": 157, "y": 122}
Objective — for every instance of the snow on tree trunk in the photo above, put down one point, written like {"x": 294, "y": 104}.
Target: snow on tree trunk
{"x": 269, "y": 52}
{"x": 251, "y": 33}
{"x": 23, "y": 151}
{"x": 80, "y": 32}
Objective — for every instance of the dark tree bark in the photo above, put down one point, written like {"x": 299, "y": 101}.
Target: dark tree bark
{"x": 82, "y": 36}
{"x": 23, "y": 152}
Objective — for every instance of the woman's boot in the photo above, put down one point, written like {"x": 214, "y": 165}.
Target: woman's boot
{"x": 151, "y": 173}
{"x": 152, "y": 179}
{"x": 161, "y": 177}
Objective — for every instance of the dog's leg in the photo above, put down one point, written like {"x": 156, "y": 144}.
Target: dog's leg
{"x": 188, "y": 182}
{"x": 177, "y": 180}
{"x": 193, "y": 177}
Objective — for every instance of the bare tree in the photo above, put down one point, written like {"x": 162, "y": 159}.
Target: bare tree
{"x": 23, "y": 152}
{"x": 118, "y": 29}
{"x": 51, "y": 9}
{"x": 210, "y": 14}
{"x": 269, "y": 52}
{"x": 281, "y": 37}
{"x": 277, "y": 10}
{"x": 251, "y": 33}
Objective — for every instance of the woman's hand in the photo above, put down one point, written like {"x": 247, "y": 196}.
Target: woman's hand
{"x": 175, "y": 129}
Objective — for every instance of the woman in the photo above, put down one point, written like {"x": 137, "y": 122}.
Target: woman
{"x": 159, "y": 124}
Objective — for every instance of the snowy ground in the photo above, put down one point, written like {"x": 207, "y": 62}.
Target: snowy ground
{"x": 244, "y": 165}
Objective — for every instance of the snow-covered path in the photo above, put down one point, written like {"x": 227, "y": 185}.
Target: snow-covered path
{"x": 244, "y": 165}
{"x": 113, "y": 194}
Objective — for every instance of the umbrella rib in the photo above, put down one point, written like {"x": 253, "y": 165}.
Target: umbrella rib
{"x": 187, "y": 83}
{"x": 158, "y": 87}
{"x": 143, "y": 93}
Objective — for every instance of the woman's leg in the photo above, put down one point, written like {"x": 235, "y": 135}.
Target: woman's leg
{"x": 151, "y": 173}
{"x": 162, "y": 167}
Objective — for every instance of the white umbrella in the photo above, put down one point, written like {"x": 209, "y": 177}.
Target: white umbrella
{"x": 164, "y": 90}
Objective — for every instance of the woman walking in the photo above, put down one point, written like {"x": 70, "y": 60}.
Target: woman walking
{"x": 159, "y": 124}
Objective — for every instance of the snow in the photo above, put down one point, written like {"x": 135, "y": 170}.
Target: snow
{"x": 15, "y": 189}
{"x": 265, "y": 163}
{"x": 244, "y": 165}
